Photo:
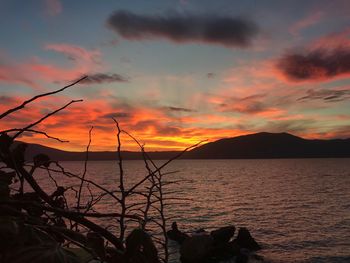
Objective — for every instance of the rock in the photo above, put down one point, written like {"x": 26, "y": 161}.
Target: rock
{"x": 200, "y": 231}
{"x": 222, "y": 252}
{"x": 223, "y": 234}
{"x": 140, "y": 248}
{"x": 176, "y": 235}
{"x": 242, "y": 258}
{"x": 197, "y": 249}
{"x": 245, "y": 240}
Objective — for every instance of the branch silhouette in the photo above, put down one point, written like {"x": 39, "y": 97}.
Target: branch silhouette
{"x": 38, "y": 97}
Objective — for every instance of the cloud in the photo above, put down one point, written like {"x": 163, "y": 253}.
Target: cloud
{"x": 100, "y": 78}
{"x": 316, "y": 65}
{"x": 211, "y": 75}
{"x": 250, "y": 104}
{"x": 178, "y": 109}
{"x": 327, "y": 95}
{"x": 32, "y": 72}
{"x": 306, "y": 22}
{"x": 298, "y": 126}
{"x": 333, "y": 40}
{"x": 116, "y": 115}
{"x": 75, "y": 53}
{"x": 211, "y": 29}
{"x": 53, "y": 7}
{"x": 12, "y": 73}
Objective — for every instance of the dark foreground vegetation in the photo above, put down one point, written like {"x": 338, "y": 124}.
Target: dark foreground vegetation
{"x": 62, "y": 225}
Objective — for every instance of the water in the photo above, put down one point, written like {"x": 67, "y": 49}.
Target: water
{"x": 297, "y": 209}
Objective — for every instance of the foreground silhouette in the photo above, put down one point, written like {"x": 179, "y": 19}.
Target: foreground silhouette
{"x": 50, "y": 226}
{"x": 215, "y": 246}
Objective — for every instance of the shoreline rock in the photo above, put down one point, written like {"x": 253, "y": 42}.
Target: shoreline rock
{"x": 215, "y": 246}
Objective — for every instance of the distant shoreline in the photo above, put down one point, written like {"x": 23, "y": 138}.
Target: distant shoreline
{"x": 253, "y": 146}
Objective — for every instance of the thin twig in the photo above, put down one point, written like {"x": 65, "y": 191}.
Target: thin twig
{"x": 124, "y": 194}
{"x": 85, "y": 169}
{"x": 39, "y": 96}
{"x": 163, "y": 165}
{"x": 35, "y": 131}
{"x": 43, "y": 118}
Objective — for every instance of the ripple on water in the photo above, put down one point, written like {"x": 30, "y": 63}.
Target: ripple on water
{"x": 298, "y": 209}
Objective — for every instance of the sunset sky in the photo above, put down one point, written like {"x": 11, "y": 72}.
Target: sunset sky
{"x": 176, "y": 72}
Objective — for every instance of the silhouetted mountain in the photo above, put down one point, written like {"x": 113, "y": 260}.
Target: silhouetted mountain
{"x": 252, "y": 146}
{"x": 55, "y": 154}
{"x": 271, "y": 145}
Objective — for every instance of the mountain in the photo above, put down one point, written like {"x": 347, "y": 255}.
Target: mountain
{"x": 259, "y": 145}
{"x": 55, "y": 154}
{"x": 271, "y": 145}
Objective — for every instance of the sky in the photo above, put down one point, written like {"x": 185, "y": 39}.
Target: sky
{"x": 175, "y": 72}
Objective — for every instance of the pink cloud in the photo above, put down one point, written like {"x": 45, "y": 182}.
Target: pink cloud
{"x": 12, "y": 74}
{"x": 53, "y": 7}
{"x": 306, "y": 22}
{"x": 75, "y": 52}
{"x": 32, "y": 72}
{"x": 333, "y": 40}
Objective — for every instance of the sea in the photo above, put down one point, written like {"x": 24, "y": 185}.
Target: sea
{"x": 297, "y": 209}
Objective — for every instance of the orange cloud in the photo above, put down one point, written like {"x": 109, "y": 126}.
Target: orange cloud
{"x": 152, "y": 126}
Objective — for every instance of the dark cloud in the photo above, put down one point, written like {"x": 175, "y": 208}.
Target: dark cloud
{"x": 317, "y": 65}
{"x": 226, "y": 31}
{"x": 178, "y": 109}
{"x": 100, "y": 78}
{"x": 251, "y": 104}
{"x": 210, "y": 75}
{"x": 292, "y": 126}
{"x": 327, "y": 95}
{"x": 157, "y": 126}
{"x": 7, "y": 100}
{"x": 116, "y": 115}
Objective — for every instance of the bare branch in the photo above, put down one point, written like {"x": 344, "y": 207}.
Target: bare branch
{"x": 85, "y": 169}
{"x": 39, "y": 96}
{"x": 163, "y": 165}
{"x": 43, "y": 118}
{"x": 124, "y": 194}
{"x": 35, "y": 131}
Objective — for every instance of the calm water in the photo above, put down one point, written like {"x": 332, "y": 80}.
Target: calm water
{"x": 298, "y": 209}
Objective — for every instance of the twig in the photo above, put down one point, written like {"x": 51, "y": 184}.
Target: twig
{"x": 163, "y": 165}
{"x": 64, "y": 212}
{"x": 43, "y": 118}
{"x": 35, "y": 131}
{"x": 77, "y": 218}
{"x": 121, "y": 185}
{"x": 85, "y": 169}
{"x": 39, "y": 96}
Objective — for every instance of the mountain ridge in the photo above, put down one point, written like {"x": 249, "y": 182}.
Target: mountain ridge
{"x": 262, "y": 145}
